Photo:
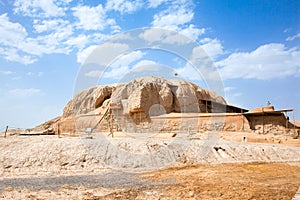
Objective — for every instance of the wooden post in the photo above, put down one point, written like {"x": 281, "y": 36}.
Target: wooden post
{"x": 58, "y": 131}
{"x": 294, "y": 122}
{"x": 110, "y": 123}
{"x": 5, "y": 131}
{"x": 243, "y": 122}
{"x": 286, "y": 121}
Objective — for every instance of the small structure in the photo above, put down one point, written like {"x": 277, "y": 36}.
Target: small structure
{"x": 266, "y": 119}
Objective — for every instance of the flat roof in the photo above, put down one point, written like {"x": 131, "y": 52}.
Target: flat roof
{"x": 269, "y": 112}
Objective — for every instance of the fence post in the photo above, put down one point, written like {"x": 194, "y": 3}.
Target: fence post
{"x": 5, "y": 131}
{"x": 58, "y": 131}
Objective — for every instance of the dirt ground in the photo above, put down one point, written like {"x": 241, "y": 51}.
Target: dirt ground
{"x": 260, "y": 138}
{"x": 232, "y": 181}
{"x": 265, "y": 180}
{"x": 217, "y": 181}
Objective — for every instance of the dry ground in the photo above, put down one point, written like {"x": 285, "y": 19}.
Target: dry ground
{"x": 232, "y": 181}
{"x": 198, "y": 181}
{"x": 260, "y": 138}
{"x": 218, "y": 181}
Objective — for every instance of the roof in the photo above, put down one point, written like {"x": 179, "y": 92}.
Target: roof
{"x": 269, "y": 112}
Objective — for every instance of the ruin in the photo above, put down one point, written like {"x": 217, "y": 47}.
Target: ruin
{"x": 153, "y": 104}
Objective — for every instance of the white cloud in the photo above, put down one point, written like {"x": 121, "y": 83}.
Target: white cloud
{"x": 105, "y": 54}
{"x": 144, "y": 63}
{"x": 16, "y": 78}
{"x": 153, "y": 35}
{"x": 15, "y": 45}
{"x": 128, "y": 59}
{"x": 92, "y": 18}
{"x": 124, "y": 6}
{"x": 80, "y": 41}
{"x": 291, "y": 38}
{"x": 178, "y": 18}
{"x": 38, "y": 8}
{"x": 83, "y": 54}
{"x": 48, "y": 44}
{"x": 192, "y": 32}
{"x": 23, "y": 93}
{"x": 120, "y": 67}
{"x": 266, "y": 62}
{"x": 94, "y": 73}
{"x": 11, "y": 33}
{"x": 212, "y": 47}
{"x": 49, "y": 25}
{"x": 163, "y": 36}
{"x": 122, "y": 37}
{"x": 6, "y": 72}
{"x": 173, "y": 17}
{"x": 199, "y": 67}
{"x": 105, "y": 50}
{"x": 118, "y": 73}
{"x": 55, "y": 34}
{"x": 38, "y": 74}
{"x": 12, "y": 54}
{"x": 98, "y": 38}
{"x": 229, "y": 89}
{"x": 237, "y": 94}
{"x": 151, "y": 68}
{"x": 189, "y": 72}
{"x": 123, "y": 65}
{"x": 155, "y": 3}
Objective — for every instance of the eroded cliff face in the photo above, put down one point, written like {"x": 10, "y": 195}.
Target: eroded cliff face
{"x": 88, "y": 100}
{"x": 140, "y": 95}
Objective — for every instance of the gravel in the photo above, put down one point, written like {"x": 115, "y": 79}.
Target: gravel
{"x": 106, "y": 180}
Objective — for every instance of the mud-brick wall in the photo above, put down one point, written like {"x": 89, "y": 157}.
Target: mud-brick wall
{"x": 97, "y": 123}
{"x": 269, "y": 123}
{"x": 234, "y": 123}
{"x": 65, "y": 125}
{"x": 201, "y": 123}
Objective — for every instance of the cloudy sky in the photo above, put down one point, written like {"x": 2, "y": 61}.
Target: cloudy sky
{"x": 254, "y": 45}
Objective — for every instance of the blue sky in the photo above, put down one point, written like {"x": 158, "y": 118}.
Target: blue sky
{"x": 43, "y": 44}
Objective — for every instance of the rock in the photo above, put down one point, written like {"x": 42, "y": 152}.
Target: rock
{"x": 88, "y": 100}
{"x": 47, "y": 126}
{"x": 141, "y": 94}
